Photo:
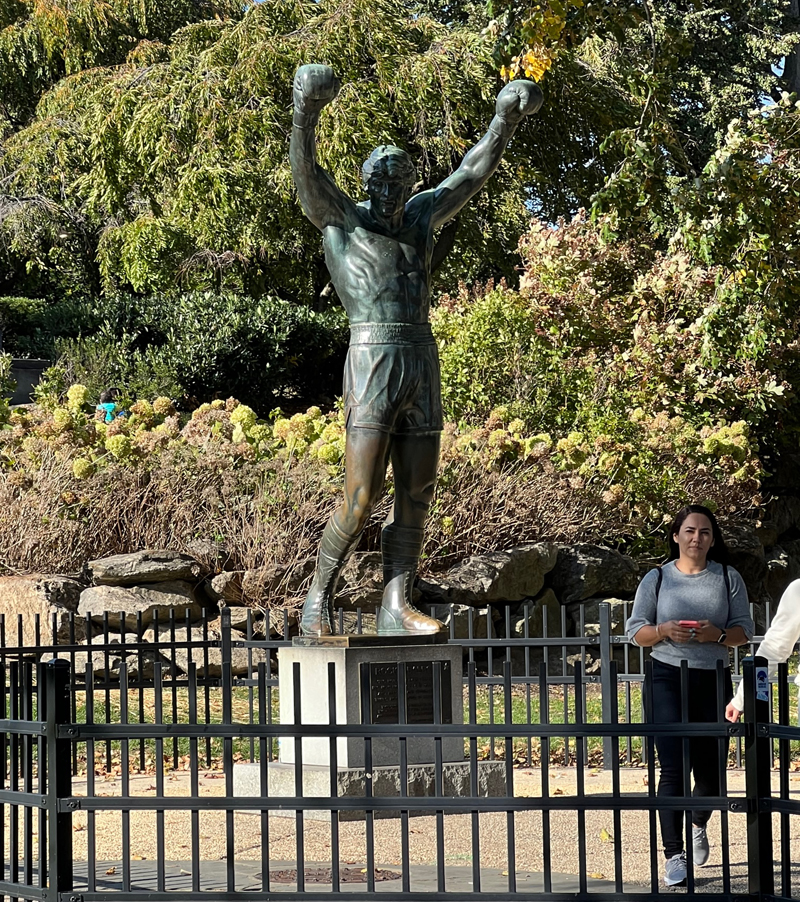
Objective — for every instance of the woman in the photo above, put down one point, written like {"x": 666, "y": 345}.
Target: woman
{"x": 778, "y": 644}
{"x": 692, "y": 609}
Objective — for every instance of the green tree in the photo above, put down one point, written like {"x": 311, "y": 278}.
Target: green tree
{"x": 173, "y": 170}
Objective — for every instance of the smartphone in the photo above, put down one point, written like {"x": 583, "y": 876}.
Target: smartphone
{"x": 690, "y": 624}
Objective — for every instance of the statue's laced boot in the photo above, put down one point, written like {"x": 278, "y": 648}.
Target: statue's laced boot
{"x": 334, "y": 550}
{"x": 401, "y": 547}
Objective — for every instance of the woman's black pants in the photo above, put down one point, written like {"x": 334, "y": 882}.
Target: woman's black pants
{"x": 704, "y": 751}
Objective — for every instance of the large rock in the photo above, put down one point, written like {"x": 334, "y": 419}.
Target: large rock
{"x": 143, "y": 567}
{"x": 243, "y": 660}
{"x": 156, "y": 599}
{"x": 227, "y": 587}
{"x": 37, "y": 599}
{"x": 590, "y": 609}
{"x": 107, "y": 661}
{"x": 500, "y": 576}
{"x": 534, "y": 613}
{"x": 586, "y": 571}
{"x": 457, "y": 618}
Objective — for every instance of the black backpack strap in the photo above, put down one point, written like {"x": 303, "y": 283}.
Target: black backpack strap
{"x": 727, "y": 579}
{"x": 659, "y": 580}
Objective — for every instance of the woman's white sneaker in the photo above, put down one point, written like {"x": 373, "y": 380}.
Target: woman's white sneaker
{"x": 675, "y": 870}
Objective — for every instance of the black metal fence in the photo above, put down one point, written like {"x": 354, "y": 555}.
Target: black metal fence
{"x": 52, "y": 795}
{"x": 490, "y": 643}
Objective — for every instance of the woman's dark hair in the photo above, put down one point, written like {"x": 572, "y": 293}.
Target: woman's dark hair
{"x": 108, "y": 395}
{"x": 717, "y": 552}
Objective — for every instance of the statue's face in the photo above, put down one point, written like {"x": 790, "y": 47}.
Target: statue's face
{"x": 387, "y": 189}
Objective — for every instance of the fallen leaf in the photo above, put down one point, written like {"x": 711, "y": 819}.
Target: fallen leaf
{"x": 78, "y": 827}
{"x": 597, "y": 876}
{"x": 504, "y": 873}
{"x": 558, "y": 791}
{"x": 605, "y": 836}
{"x": 111, "y": 871}
{"x": 137, "y": 858}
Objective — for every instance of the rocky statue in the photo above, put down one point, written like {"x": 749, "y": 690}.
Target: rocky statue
{"x": 378, "y": 253}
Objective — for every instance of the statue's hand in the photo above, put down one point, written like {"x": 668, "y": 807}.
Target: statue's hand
{"x": 315, "y": 86}
{"x": 518, "y": 99}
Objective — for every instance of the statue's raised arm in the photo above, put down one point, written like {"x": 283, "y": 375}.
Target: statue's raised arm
{"x": 315, "y": 86}
{"x": 516, "y": 101}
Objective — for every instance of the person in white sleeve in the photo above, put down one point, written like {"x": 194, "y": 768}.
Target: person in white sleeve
{"x": 778, "y": 644}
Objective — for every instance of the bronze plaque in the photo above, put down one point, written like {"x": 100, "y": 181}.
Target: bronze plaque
{"x": 385, "y": 693}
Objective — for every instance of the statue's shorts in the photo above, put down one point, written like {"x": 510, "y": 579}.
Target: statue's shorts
{"x": 391, "y": 379}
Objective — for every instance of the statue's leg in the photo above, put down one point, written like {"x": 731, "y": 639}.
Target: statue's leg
{"x": 415, "y": 459}
{"x": 366, "y": 458}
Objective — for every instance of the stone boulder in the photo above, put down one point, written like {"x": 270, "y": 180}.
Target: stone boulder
{"x": 227, "y": 587}
{"x": 155, "y": 599}
{"x": 457, "y": 617}
{"x": 143, "y": 567}
{"x": 28, "y": 599}
{"x": 244, "y": 617}
{"x": 107, "y": 662}
{"x": 500, "y": 576}
{"x": 586, "y": 571}
{"x": 590, "y": 608}
{"x": 243, "y": 660}
{"x": 534, "y": 614}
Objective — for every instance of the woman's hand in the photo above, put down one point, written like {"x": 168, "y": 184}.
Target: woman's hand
{"x": 732, "y": 713}
{"x": 671, "y": 629}
{"x": 706, "y": 631}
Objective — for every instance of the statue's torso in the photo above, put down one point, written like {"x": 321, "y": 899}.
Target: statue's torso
{"x": 381, "y": 277}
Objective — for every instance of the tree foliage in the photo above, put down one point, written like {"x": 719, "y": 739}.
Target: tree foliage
{"x": 172, "y": 167}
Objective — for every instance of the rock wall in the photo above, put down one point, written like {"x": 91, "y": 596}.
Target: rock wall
{"x": 530, "y": 590}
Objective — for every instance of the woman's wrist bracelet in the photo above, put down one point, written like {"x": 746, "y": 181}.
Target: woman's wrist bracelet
{"x": 658, "y": 631}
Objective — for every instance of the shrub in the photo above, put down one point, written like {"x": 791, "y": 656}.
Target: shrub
{"x": 200, "y": 345}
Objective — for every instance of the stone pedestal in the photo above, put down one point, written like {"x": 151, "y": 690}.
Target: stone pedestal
{"x": 349, "y": 654}
{"x": 366, "y": 682}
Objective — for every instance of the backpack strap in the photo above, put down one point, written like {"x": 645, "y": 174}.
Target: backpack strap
{"x": 659, "y": 580}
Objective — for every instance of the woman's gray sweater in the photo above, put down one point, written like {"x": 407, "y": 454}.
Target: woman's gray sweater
{"x": 691, "y": 596}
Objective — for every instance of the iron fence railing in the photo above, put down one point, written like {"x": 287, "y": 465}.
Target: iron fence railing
{"x": 42, "y": 800}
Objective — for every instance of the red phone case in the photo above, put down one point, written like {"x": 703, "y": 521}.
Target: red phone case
{"x": 692, "y": 624}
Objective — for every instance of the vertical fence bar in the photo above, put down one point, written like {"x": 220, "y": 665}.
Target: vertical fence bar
{"x": 402, "y": 719}
{"x": 607, "y": 689}
{"x": 59, "y": 776}
{"x": 784, "y": 757}
{"x": 510, "y": 825}
{"x": 369, "y": 813}
{"x": 757, "y": 751}
{"x": 298, "y": 779}
{"x": 544, "y": 746}
{"x": 334, "y": 766}
{"x": 227, "y": 744}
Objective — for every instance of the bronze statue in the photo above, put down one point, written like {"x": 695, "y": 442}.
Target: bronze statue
{"x": 378, "y": 253}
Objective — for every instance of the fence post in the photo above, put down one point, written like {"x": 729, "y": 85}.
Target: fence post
{"x": 59, "y": 777}
{"x": 761, "y": 879}
{"x": 607, "y": 687}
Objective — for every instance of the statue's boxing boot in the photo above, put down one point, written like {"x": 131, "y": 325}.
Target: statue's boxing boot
{"x": 334, "y": 550}
{"x": 401, "y": 547}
